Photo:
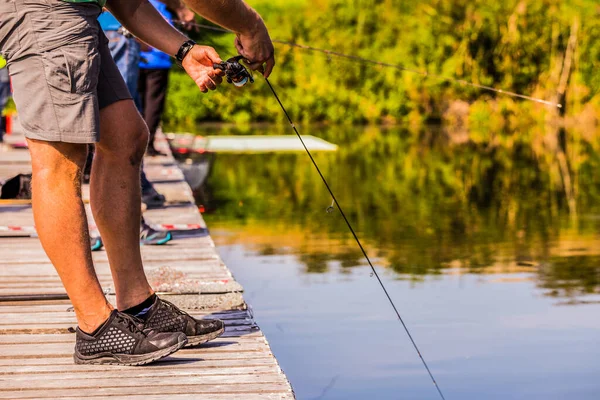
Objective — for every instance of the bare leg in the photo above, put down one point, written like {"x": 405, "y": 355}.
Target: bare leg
{"x": 116, "y": 198}
{"x": 62, "y": 226}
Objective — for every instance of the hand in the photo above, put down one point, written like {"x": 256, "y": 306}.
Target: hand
{"x": 257, "y": 48}
{"x": 187, "y": 19}
{"x": 198, "y": 63}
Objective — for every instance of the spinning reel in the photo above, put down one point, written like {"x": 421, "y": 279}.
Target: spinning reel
{"x": 235, "y": 72}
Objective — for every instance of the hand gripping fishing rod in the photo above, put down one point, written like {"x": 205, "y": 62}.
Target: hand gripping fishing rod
{"x": 237, "y": 74}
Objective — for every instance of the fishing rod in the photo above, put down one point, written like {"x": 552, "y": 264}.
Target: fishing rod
{"x": 389, "y": 65}
{"x": 238, "y": 75}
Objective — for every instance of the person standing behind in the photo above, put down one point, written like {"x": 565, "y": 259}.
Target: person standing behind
{"x": 4, "y": 93}
{"x": 124, "y": 48}
{"x": 153, "y": 82}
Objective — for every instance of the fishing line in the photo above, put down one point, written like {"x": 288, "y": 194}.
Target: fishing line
{"x": 390, "y": 65}
{"x": 238, "y": 75}
{"x": 374, "y": 271}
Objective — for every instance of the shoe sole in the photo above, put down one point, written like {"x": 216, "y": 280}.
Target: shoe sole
{"x": 152, "y": 205}
{"x": 128, "y": 359}
{"x": 201, "y": 339}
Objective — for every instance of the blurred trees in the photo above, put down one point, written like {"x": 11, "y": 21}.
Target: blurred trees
{"x": 515, "y": 45}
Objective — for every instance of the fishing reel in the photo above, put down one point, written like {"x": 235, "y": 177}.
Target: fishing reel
{"x": 235, "y": 72}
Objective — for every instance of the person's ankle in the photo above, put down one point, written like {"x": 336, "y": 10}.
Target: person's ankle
{"x": 141, "y": 310}
{"x": 133, "y": 300}
{"x": 90, "y": 322}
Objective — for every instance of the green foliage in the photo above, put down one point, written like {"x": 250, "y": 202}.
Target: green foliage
{"x": 516, "y": 45}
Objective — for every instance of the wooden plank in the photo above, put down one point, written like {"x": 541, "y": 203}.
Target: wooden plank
{"x": 107, "y": 389}
{"x": 29, "y": 374}
{"x": 53, "y": 365}
{"x": 181, "y": 357}
{"x": 66, "y": 349}
{"x": 142, "y": 378}
{"x": 212, "y": 396}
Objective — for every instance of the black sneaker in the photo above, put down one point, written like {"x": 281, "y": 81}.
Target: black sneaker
{"x": 122, "y": 341}
{"x": 152, "y": 199}
{"x": 164, "y": 316}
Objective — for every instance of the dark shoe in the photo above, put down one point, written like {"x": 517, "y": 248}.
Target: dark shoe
{"x": 152, "y": 152}
{"x": 149, "y": 236}
{"x": 153, "y": 199}
{"x": 96, "y": 243}
{"x": 122, "y": 341}
{"x": 164, "y": 316}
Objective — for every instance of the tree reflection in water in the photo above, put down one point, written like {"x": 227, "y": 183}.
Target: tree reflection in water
{"x": 422, "y": 205}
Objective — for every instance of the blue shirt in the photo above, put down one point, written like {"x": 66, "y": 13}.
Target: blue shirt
{"x": 156, "y": 59}
{"x": 153, "y": 59}
{"x": 108, "y": 22}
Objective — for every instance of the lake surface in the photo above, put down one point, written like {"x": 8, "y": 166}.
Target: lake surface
{"x": 497, "y": 278}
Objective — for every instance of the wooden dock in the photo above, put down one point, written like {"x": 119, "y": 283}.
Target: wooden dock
{"x": 36, "y": 339}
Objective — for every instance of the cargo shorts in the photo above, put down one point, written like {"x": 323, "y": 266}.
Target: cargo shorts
{"x": 61, "y": 68}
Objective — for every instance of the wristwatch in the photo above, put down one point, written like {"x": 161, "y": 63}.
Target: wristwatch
{"x": 183, "y": 50}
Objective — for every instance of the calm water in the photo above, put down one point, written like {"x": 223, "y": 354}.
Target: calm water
{"x": 498, "y": 282}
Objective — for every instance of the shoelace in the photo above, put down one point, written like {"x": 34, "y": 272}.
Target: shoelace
{"x": 172, "y": 307}
{"x": 132, "y": 323}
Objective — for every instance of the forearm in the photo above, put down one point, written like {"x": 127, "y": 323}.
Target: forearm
{"x": 235, "y": 15}
{"x": 146, "y": 23}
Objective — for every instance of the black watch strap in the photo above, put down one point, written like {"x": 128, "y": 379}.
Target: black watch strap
{"x": 183, "y": 50}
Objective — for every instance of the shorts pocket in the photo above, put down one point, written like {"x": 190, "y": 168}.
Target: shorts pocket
{"x": 84, "y": 66}
{"x": 73, "y": 69}
{"x": 56, "y": 69}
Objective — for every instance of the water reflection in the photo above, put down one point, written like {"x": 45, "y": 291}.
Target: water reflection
{"x": 422, "y": 206}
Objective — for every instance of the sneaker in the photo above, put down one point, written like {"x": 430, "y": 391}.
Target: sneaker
{"x": 164, "y": 316}
{"x": 122, "y": 341}
{"x": 149, "y": 236}
{"x": 96, "y": 243}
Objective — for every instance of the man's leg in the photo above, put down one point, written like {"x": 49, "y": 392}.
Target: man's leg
{"x": 116, "y": 198}
{"x": 61, "y": 224}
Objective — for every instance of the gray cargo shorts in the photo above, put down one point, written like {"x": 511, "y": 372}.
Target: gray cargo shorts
{"x": 61, "y": 68}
